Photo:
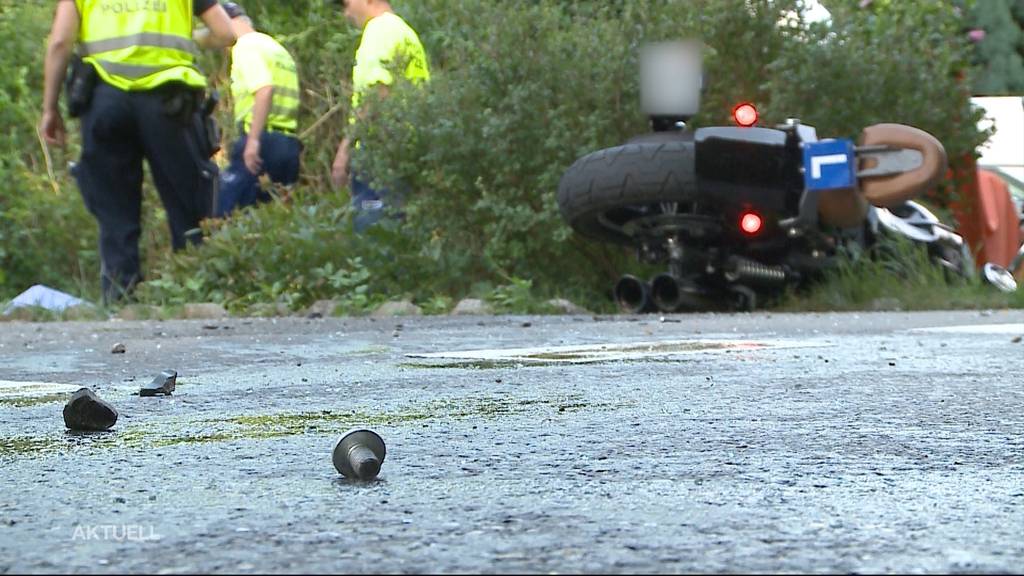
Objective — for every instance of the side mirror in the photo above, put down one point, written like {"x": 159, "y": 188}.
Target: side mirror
{"x": 999, "y": 277}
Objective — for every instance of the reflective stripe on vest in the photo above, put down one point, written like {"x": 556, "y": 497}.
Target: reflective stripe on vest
{"x": 139, "y": 44}
{"x": 149, "y": 39}
{"x": 286, "y": 92}
{"x": 282, "y": 116}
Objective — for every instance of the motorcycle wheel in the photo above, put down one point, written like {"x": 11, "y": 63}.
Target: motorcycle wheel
{"x": 605, "y": 189}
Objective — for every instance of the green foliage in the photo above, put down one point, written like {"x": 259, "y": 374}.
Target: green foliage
{"x": 1000, "y": 54}
{"x": 514, "y": 297}
{"x": 288, "y": 254}
{"x": 438, "y": 304}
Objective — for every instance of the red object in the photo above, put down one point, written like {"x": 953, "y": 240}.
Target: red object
{"x": 750, "y": 223}
{"x": 745, "y": 114}
{"x": 988, "y": 218}
{"x": 999, "y": 222}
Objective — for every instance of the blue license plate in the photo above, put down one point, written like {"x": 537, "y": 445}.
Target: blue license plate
{"x": 829, "y": 164}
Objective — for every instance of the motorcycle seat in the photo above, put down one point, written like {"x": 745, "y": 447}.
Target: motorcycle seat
{"x": 888, "y": 190}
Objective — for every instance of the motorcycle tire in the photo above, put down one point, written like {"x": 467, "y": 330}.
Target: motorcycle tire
{"x": 600, "y": 187}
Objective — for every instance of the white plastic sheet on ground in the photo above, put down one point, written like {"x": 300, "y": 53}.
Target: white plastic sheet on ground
{"x": 43, "y": 297}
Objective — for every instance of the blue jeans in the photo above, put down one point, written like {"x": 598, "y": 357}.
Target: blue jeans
{"x": 239, "y": 187}
{"x": 369, "y": 205}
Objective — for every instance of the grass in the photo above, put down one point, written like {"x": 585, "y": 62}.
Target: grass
{"x": 907, "y": 280}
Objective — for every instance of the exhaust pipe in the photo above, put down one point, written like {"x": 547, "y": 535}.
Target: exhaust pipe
{"x": 666, "y": 292}
{"x": 633, "y": 295}
{"x": 670, "y": 294}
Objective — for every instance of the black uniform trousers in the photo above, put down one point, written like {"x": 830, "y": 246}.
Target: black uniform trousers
{"x": 119, "y": 129}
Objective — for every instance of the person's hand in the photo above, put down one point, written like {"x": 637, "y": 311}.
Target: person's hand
{"x": 339, "y": 169}
{"x": 51, "y": 128}
{"x": 251, "y": 156}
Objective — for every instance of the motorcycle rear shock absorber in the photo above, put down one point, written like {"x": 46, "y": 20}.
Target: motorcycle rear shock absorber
{"x": 750, "y": 272}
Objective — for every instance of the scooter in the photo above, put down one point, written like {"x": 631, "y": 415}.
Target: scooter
{"x": 740, "y": 212}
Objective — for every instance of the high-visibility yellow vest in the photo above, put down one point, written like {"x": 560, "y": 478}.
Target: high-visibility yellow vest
{"x": 385, "y": 38}
{"x": 139, "y": 44}
{"x": 257, "y": 61}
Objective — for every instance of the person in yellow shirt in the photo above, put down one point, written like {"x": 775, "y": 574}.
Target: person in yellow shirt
{"x": 386, "y": 40}
{"x": 265, "y": 90}
{"x": 138, "y": 95}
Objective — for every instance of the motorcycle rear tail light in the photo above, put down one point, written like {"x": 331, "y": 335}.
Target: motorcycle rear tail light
{"x": 751, "y": 223}
{"x": 745, "y": 114}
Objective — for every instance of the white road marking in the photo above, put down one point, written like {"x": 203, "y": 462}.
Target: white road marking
{"x": 15, "y": 389}
{"x": 975, "y": 329}
{"x": 619, "y": 351}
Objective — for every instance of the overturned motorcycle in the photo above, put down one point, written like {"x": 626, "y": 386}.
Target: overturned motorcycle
{"x": 740, "y": 212}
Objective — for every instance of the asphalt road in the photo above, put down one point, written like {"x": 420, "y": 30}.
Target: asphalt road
{"x": 854, "y": 443}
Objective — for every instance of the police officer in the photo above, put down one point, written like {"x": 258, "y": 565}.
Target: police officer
{"x": 386, "y": 40}
{"x": 265, "y": 90}
{"x": 145, "y": 103}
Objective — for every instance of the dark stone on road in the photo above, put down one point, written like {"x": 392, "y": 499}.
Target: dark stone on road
{"x": 163, "y": 384}
{"x": 86, "y": 411}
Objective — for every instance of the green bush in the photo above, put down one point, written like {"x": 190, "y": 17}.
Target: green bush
{"x": 288, "y": 254}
